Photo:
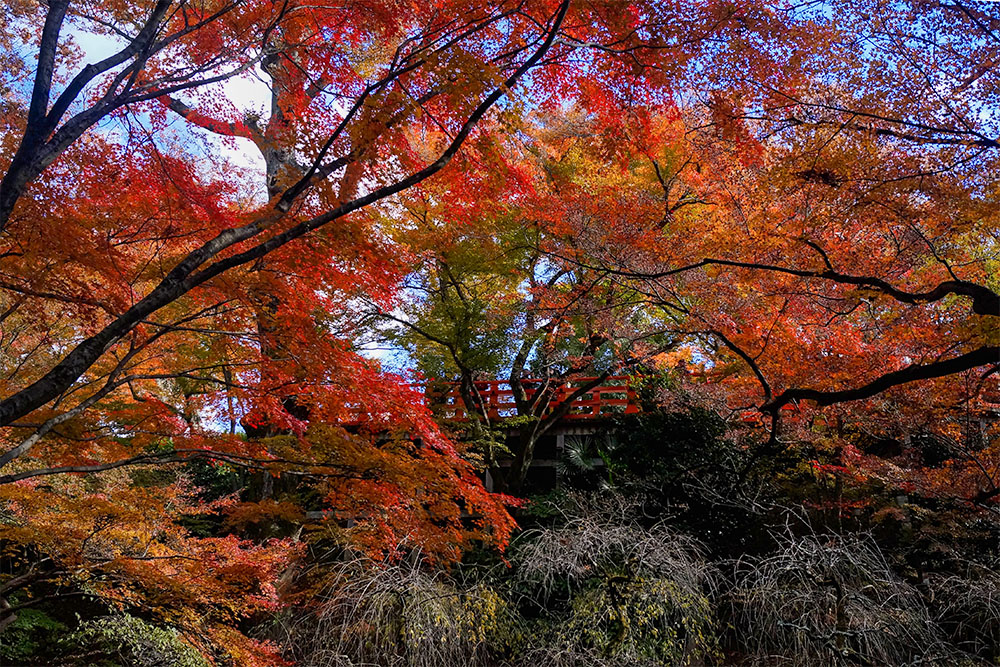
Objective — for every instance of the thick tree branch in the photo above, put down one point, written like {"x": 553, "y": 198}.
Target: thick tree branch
{"x": 226, "y": 129}
{"x": 984, "y": 300}
{"x": 313, "y": 469}
{"x": 981, "y": 357}
{"x": 42, "y": 87}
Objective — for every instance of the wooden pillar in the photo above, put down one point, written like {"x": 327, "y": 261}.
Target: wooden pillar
{"x": 560, "y": 451}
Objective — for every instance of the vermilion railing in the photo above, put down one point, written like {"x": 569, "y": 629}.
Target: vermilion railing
{"x": 612, "y": 396}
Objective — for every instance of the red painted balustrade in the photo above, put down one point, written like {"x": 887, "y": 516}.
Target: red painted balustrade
{"x": 612, "y": 396}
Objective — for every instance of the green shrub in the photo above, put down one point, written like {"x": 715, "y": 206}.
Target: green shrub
{"x": 127, "y": 641}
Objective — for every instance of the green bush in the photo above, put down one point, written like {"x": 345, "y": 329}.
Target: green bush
{"x": 127, "y": 641}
